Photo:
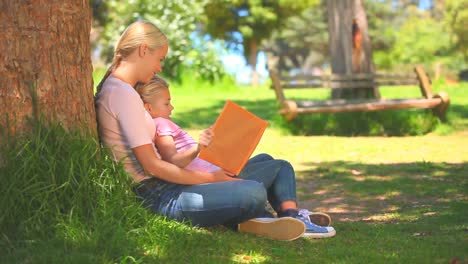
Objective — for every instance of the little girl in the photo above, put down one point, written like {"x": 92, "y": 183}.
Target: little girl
{"x": 178, "y": 147}
{"x": 174, "y": 144}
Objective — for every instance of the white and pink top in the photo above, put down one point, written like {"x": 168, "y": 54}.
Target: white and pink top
{"x": 183, "y": 141}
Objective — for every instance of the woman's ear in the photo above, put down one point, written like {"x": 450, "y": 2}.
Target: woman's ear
{"x": 142, "y": 49}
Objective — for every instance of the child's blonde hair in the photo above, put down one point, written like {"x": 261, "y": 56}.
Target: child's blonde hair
{"x": 152, "y": 88}
{"x": 138, "y": 33}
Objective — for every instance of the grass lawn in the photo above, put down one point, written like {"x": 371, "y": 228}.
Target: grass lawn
{"x": 392, "y": 199}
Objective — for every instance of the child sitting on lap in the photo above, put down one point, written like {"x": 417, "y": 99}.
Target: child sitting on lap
{"x": 173, "y": 143}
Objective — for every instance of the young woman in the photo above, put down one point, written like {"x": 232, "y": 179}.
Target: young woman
{"x": 203, "y": 198}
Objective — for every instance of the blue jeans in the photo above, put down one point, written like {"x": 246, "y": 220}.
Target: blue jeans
{"x": 227, "y": 203}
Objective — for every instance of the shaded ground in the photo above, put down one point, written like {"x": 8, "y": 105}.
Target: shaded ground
{"x": 351, "y": 191}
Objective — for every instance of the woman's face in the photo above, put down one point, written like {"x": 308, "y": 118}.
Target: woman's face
{"x": 152, "y": 61}
{"x": 160, "y": 105}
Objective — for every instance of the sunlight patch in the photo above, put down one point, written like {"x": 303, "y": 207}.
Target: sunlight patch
{"x": 383, "y": 217}
{"x": 388, "y": 195}
{"x": 321, "y": 192}
{"x": 360, "y": 178}
{"x": 249, "y": 258}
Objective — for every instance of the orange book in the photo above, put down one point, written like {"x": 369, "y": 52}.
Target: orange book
{"x": 237, "y": 133}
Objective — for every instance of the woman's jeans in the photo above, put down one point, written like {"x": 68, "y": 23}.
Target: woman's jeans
{"x": 227, "y": 203}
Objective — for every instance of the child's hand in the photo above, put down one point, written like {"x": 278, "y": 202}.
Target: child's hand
{"x": 206, "y": 136}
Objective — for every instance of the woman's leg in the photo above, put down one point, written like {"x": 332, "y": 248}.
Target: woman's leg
{"x": 259, "y": 158}
{"x": 228, "y": 203}
{"x": 278, "y": 178}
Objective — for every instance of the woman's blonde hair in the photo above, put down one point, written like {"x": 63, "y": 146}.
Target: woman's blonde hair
{"x": 136, "y": 34}
{"x": 152, "y": 88}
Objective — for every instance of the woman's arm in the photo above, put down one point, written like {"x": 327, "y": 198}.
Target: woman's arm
{"x": 167, "y": 149}
{"x": 171, "y": 173}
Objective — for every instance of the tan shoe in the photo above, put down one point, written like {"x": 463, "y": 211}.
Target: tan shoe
{"x": 284, "y": 228}
{"x": 319, "y": 218}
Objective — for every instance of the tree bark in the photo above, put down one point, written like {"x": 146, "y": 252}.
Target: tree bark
{"x": 253, "y": 48}
{"x": 350, "y": 46}
{"x": 45, "y": 64}
{"x": 339, "y": 21}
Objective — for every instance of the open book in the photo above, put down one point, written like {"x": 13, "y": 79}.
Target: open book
{"x": 237, "y": 133}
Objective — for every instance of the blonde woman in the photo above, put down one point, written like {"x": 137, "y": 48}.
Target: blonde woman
{"x": 203, "y": 198}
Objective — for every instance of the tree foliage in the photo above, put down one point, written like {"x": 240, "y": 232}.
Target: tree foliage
{"x": 457, "y": 21}
{"x": 400, "y": 32}
{"x": 420, "y": 40}
{"x": 248, "y": 22}
{"x": 304, "y": 39}
{"x": 303, "y": 42}
{"x": 178, "y": 19}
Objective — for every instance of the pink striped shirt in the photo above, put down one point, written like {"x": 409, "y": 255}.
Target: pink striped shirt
{"x": 183, "y": 141}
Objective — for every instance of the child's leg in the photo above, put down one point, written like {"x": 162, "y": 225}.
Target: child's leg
{"x": 278, "y": 178}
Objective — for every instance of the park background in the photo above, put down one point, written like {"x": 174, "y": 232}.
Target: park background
{"x": 395, "y": 182}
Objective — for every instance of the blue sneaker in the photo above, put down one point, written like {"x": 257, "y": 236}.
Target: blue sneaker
{"x": 312, "y": 230}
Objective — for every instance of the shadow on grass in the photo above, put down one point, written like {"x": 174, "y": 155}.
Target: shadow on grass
{"x": 385, "y": 192}
{"x": 458, "y": 117}
{"x": 459, "y": 110}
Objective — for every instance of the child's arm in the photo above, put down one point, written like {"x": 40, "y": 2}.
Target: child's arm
{"x": 167, "y": 149}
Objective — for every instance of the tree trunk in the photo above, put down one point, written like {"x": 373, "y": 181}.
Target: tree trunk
{"x": 45, "y": 64}
{"x": 350, "y": 47}
{"x": 253, "y": 62}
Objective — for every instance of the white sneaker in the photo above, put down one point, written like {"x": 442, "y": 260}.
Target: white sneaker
{"x": 284, "y": 228}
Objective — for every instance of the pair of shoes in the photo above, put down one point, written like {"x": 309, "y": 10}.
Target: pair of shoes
{"x": 313, "y": 230}
{"x": 285, "y": 228}
{"x": 318, "y": 218}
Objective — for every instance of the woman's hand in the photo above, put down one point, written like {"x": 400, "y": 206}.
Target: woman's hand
{"x": 226, "y": 176}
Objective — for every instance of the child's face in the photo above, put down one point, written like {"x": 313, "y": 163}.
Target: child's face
{"x": 160, "y": 105}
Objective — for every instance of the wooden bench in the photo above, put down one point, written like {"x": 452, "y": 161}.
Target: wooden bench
{"x": 290, "y": 109}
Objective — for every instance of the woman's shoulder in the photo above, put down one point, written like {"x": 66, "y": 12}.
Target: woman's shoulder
{"x": 118, "y": 96}
{"x": 117, "y": 86}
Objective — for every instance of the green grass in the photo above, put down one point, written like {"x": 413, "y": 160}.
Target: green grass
{"x": 198, "y": 105}
{"x": 393, "y": 199}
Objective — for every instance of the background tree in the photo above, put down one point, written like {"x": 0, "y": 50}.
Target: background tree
{"x": 350, "y": 47}
{"x": 416, "y": 40}
{"x": 413, "y": 32}
{"x": 457, "y": 21}
{"x": 302, "y": 43}
{"x": 45, "y": 64}
{"x": 178, "y": 19}
{"x": 249, "y": 22}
